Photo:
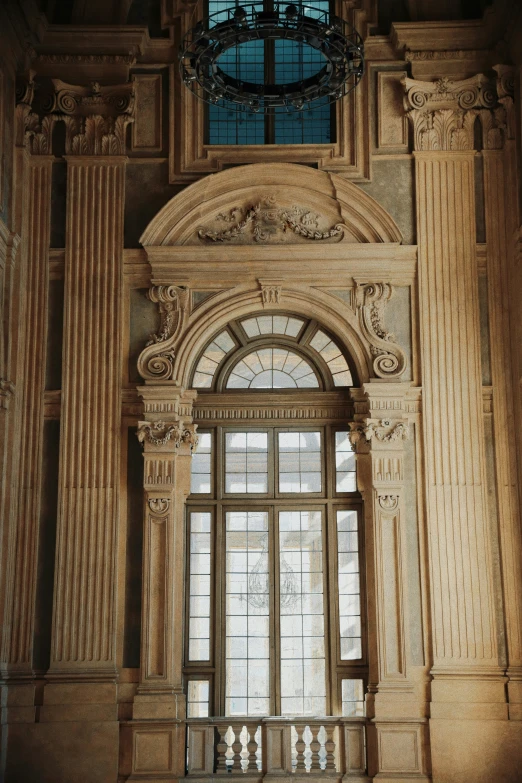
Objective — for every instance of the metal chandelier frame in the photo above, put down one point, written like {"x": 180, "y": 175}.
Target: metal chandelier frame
{"x": 339, "y": 44}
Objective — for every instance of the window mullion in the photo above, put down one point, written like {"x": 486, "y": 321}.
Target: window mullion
{"x": 275, "y": 629}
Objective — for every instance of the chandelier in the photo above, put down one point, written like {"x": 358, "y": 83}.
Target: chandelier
{"x": 322, "y": 58}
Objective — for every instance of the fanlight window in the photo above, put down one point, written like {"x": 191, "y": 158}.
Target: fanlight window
{"x": 301, "y": 355}
{"x": 272, "y": 368}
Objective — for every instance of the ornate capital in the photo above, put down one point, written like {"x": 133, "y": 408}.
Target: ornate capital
{"x": 159, "y": 433}
{"x": 156, "y": 361}
{"x": 382, "y": 430}
{"x": 389, "y": 360}
{"x": 443, "y": 112}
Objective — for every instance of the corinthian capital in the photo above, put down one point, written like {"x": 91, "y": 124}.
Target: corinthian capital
{"x": 443, "y": 112}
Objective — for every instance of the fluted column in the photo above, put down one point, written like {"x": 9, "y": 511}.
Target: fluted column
{"x": 168, "y": 437}
{"x": 468, "y": 680}
{"x": 500, "y": 195}
{"x": 398, "y": 724}
{"x": 84, "y": 619}
{"x": 21, "y": 590}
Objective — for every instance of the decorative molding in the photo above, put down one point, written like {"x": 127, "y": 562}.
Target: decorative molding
{"x": 443, "y": 112}
{"x": 264, "y": 413}
{"x": 159, "y": 506}
{"x": 445, "y": 54}
{"x": 86, "y": 59}
{"x": 159, "y": 433}
{"x": 388, "y": 502}
{"x": 157, "y": 358}
{"x": 271, "y": 294}
{"x": 267, "y": 221}
{"x": 389, "y": 360}
{"x": 383, "y": 430}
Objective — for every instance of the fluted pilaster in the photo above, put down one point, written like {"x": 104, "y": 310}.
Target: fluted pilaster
{"x": 21, "y": 590}
{"x": 84, "y": 621}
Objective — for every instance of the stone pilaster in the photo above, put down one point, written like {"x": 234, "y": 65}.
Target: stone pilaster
{"x": 500, "y": 195}
{"x": 84, "y": 616}
{"x": 21, "y": 606}
{"x": 155, "y": 738}
{"x": 468, "y": 681}
{"x": 398, "y": 724}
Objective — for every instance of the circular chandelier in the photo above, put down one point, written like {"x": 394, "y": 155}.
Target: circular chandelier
{"x": 322, "y": 61}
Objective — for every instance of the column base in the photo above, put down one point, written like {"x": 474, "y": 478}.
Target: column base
{"x": 397, "y": 750}
{"x": 152, "y": 750}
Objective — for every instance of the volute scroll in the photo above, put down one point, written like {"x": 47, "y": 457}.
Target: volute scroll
{"x": 389, "y": 359}
{"x": 156, "y": 361}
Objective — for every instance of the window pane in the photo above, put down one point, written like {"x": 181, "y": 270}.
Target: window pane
{"x": 201, "y": 470}
{"x": 352, "y": 698}
{"x": 271, "y": 368}
{"x": 247, "y": 614}
{"x": 197, "y": 699}
{"x": 303, "y": 667}
{"x": 349, "y": 587}
{"x": 345, "y": 465}
{"x": 246, "y": 462}
{"x": 209, "y": 362}
{"x": 299, "y": 461}
{"x": 200, "y": 545}
{"x": 333, "y": 357}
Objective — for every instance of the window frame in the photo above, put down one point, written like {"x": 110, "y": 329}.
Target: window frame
{"x": 329, "y": 502}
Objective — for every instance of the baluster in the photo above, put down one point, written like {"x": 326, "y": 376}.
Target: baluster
{"x": 237, "y": 747}
{"x": 315, "y": 747}
{"x": 252, "y": 747}
{"x": 221, "y": 748}
{"x": 330, "y": 748}
{"x": 300, "y": 747}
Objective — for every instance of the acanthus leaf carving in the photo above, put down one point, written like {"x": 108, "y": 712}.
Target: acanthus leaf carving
{"x": 268, "y": 221}
{"x": 443, "y": 112}
{"x": 156, "y": 361}
{"x": 389, "y": 360}
{"x": 159, "y": 506}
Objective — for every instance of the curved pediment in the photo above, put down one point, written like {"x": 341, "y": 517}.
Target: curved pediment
{"x": 270, "y": 203}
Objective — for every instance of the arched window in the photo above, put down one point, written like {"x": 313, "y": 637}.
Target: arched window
{"x": 274, "y": 613}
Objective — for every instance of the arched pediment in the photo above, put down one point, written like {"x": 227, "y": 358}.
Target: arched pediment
{"x": 271, "y": 203}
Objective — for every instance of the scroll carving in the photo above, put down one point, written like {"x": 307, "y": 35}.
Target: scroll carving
{"x": 443, "y": 112}
{"x": 267, "y": 221}
{"x": 389, "y": 360}
{"x": 159, "y": 433}
{"x": 159, "y": 506}
{"x": 95, "y": 117}
{"x": 388, "y": 502}
{"x": 156, "y": 361}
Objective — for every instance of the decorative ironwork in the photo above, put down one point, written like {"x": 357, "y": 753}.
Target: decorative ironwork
{"x": 340, "y": 62}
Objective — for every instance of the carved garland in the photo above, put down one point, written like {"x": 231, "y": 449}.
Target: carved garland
{"x": 386, "y": 431}
{"x": 156, "y": 361}
{"x": 266, "y": 219}
{"x": 160, "y": 433}
{"x": 389, "y": 358}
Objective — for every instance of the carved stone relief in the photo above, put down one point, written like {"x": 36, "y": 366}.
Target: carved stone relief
{"x": 383, "y": 430}
{"x": 156, "y": 360}
{"x": 389, "y": 360}
{"x": 266, "y": 222}
{"x": 159, "y": 433}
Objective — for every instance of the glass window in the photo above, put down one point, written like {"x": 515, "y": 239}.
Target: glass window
{"x": 246, "y": 462}
{"x": 199, "y": 599}
{"x": 272, "y": 368}
{"x": 247, "y": 614}
{"x": 272, "y": 324}
{"x": 214, "y": 353}
{"x": 303, "y": 666}
{"x": 349, "y": 585}
{"x": 352, "y": 698}
{"x": 333, "y": 357}
{"x": 201, "y": 466}
{"x": 300, "y": 462}
{"x": 345, "y": 475}
{"x": 197, "y": 699}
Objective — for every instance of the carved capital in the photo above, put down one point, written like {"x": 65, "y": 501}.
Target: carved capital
{"x": 156, "y": 361}
{"x": 443, "y": 112}
{"x": 382, "y": 430}
{"x": 389, "y": 360}
{"x": 159, "y": 433}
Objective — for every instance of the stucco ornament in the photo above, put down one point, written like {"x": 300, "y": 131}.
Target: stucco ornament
{"x": 383, "y": 430}
{"x": 156, "y": 360}
{"x": 389, "y": 360}
{"x": 159, "y": 433}
{"x": 266, "y": 221}
{"x": 159, "y": 506}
